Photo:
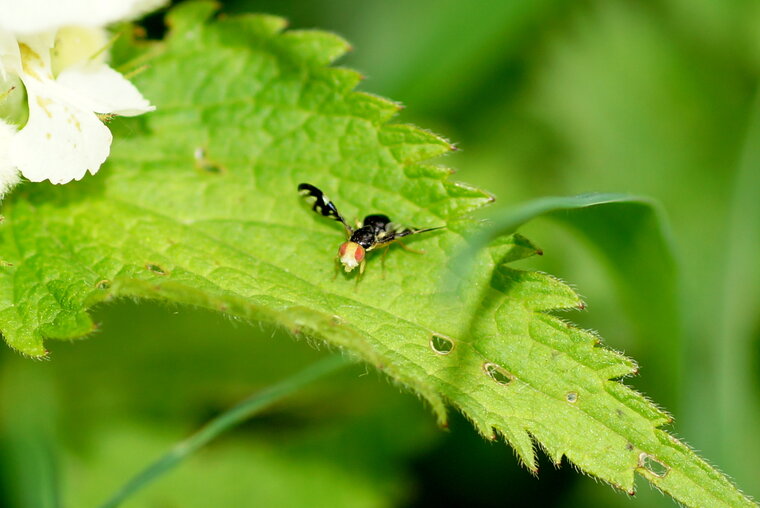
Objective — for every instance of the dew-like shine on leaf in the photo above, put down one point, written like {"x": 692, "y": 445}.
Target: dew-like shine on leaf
{"x": 198, "y": 204}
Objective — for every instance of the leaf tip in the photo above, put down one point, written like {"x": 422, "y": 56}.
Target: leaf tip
{"x": 36, "y": 353}
{"x": 316, "y": 47}
{"x": 182, "y": 17}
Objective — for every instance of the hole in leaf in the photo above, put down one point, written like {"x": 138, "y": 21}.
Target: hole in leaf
{"x": 498, "y": 373}
{"x": 571, "y": 397}
{"x": 157, "y": 269}
{"x": 103, "y": 284}
{"x": 653, "y": 465}
{"x": 441, "y": 344}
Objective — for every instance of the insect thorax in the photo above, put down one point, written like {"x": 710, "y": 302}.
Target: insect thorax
{"x": 364, "y": 236}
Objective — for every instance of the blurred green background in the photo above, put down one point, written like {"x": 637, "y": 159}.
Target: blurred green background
{"x": 543, "y": 97}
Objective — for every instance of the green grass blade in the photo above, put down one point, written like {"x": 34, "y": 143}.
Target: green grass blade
{"x": 222, "y": 423}
{"x": 28, "y": 455}
{"x": 735, "y": 395}
{"x": 510, "y": 219}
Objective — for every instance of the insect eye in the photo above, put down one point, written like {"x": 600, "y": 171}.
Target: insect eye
{"x": 359, "y": 253}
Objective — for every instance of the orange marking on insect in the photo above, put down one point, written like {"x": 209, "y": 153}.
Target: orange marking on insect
{"x": 351, "y": 254}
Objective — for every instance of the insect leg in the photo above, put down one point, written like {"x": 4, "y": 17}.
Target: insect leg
{"x": 409, "y": 249}
{"x": 382, "y": 260}
{"x": 361, "y": 273}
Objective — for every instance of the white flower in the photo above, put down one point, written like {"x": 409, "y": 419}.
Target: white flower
{"x": 67, "y": 85}
{"x": 37, "y": 16}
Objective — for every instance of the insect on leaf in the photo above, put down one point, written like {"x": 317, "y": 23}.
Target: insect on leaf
{"x": 228, "y": 231}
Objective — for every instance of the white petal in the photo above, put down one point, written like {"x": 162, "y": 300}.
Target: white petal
{"x": 30, "y": 16}
{"x": 61, "y": 141}
{"x": 79, "y": 45}
{"x": 8, "y": 172}
{"x": 10, "y": 59}
{"x": 35, "y": 53}
{"x": 102, "y": 89}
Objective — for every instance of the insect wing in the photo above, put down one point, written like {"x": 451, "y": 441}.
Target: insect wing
{"x": 395, "y": 231}
{"x": 322, "y": 204}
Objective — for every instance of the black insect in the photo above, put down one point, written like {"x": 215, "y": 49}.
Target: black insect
{"x": 376, "y": 230}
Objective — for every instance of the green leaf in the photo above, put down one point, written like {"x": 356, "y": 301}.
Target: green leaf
{"x": 632, "y": 238}
{"x": 198, "y": 205}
